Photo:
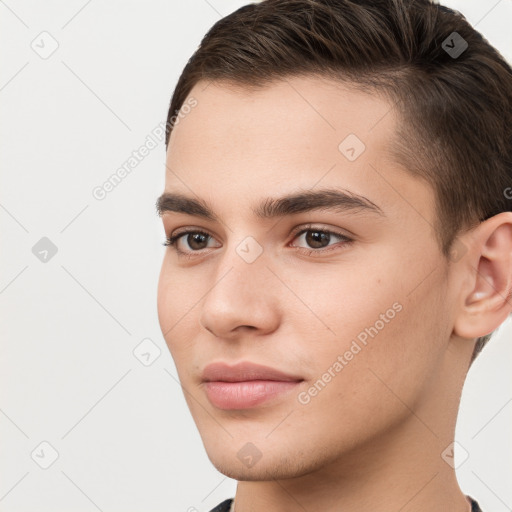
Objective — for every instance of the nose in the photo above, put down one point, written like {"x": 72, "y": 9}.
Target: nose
{"x": 242, "y": 297}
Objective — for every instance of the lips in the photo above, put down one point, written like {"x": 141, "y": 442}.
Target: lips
{"x": 246, "y": 385}
{"x": 245, "y": 371}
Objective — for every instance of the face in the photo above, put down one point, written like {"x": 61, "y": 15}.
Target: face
{"x": 351, "y": 298}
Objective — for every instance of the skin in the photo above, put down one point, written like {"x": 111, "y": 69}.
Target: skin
{"x": 372, "y": 438}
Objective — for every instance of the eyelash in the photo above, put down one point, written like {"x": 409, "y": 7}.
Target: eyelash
{"x": 171, "y": 241}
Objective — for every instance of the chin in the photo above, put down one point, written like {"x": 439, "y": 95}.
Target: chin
{"x": 268, "y": 467}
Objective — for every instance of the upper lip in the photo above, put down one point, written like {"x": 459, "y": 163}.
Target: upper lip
{"x": 243, "y": 372}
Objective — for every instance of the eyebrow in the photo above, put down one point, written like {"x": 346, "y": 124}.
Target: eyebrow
{"x": 337, "y": 201}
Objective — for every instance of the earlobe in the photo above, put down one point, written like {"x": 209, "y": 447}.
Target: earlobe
{"x": 489, "y": 264}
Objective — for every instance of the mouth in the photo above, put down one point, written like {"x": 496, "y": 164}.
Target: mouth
{"x": 247, "y": 394}
{"x": 246, "y": 384}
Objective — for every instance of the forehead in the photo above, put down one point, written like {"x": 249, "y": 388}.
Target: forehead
{"x": 310, "y": 107}
{"x": 298, "y": 132}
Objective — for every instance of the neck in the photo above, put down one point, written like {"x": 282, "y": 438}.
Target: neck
{"x": 406, "y": 468}
{"x": 412, "y": 478}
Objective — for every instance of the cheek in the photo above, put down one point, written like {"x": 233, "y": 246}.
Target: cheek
{"x": 178, "y": 304}
{"x": 173, "y": 303}
{"x": 341, "y": 302}
{"x": 376, "y": 325}
{"x": 361, "y": 386}
{"x": 164, "y": 300}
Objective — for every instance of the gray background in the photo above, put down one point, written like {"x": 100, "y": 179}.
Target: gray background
{"x": 124, "y": 437}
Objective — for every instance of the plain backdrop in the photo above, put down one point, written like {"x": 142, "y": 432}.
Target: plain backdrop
{"x": 82, "y": 85}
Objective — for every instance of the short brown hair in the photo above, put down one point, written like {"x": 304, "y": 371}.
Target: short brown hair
{"x": 452, "y": 89}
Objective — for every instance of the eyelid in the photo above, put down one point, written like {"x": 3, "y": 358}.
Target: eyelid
{"x": 295, "y": 232}
{"x": 313, "y": 226}
{"x": 174, "y": 237}
{"x": 173, "y": 240}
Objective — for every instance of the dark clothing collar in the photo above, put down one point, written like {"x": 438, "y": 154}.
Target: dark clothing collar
{"x": 225, "y": 505}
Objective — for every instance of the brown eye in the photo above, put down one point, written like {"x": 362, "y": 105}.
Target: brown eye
{"x": 196, "y": 240}
{"x": 318, "y": 239}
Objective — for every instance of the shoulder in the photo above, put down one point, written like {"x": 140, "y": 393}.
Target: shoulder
{"x": 223, "y": 507}
{"x": 475, "y": 507}
{"x": 226, "y": 505}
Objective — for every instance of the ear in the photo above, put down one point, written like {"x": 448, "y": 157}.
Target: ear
{"x": 488, "y": 272}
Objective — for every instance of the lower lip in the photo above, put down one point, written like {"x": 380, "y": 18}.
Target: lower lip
{"x": 246, "y": 394}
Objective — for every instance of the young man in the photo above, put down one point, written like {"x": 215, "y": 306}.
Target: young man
{"x": 338, "y": 212}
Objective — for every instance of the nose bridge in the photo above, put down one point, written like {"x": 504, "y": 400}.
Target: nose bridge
{"x": 241, "y": 271}
{"x": 240, "y": 293}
